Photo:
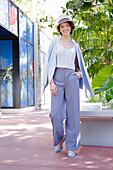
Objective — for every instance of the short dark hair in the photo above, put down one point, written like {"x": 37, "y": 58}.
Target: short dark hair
{"x": 71, "y": 25}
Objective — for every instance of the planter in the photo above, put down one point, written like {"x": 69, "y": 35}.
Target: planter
{"x": 90, "y": 106}
{"x": 97, "y": 127}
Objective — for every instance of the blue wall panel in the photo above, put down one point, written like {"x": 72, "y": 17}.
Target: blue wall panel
{"x": 6, "y": 73}
{"x": 23, "y": 72}
{"x": 12, "y": 18}
{"x": 30, "y": 31}
{"x": 30, "y": 75}
{"x": 22, "y": 26}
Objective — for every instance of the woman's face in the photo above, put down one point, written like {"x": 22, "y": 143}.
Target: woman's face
{"x": 65, "y": 28}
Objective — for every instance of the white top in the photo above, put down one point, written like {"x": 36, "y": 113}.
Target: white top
{"x": 65, "y": 57}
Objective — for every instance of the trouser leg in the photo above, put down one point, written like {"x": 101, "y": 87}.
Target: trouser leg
{"x": 57, "y": 115}
{"x": 72, "y": 123}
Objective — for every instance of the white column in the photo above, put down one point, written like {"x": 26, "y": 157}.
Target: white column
{"x": 36, "y": 83}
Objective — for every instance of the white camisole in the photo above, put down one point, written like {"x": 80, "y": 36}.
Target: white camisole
{"x": 65, "y": 57}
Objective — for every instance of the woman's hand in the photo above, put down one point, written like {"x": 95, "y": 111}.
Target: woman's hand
{"x": 78, "y": 73}
{"x": 53, "y": 88}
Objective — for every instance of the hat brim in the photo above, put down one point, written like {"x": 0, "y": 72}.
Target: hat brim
{"x": 64, "y": 20}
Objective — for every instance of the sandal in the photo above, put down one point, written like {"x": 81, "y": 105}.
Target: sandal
{"x": 58, "y": 148}
{"x": 71, "y": 154}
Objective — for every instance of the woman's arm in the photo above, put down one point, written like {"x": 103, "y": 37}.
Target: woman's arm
{"x": 53, "y": 87}
{"x": 78, "y": 71}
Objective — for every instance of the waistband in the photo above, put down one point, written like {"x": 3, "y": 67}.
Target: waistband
{"x": 64, "y": 68}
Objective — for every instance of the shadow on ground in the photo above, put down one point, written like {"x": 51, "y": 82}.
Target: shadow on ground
{"x": 26, "y": 144}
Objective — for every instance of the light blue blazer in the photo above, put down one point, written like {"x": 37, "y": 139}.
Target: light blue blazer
{"x": 50, "y": 65}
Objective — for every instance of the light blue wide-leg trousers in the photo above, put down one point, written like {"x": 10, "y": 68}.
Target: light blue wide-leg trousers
{"x": 66, "y": 105}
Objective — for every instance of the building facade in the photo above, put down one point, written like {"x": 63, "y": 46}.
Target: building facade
{"x": 19, "y": 58}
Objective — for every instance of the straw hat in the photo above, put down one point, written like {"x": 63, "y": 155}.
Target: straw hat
{"x": 63, "y": 18}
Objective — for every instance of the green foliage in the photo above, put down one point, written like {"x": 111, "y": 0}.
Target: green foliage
{"x": 99, "y": 98}
{"x": 93, "y": 31}
{"x": 20, "y": 1}
{"x": 47, "y": 19}
{"x": 109, "y": 94}
{"x": 102, "y": 77}
{"x": 86, "y": 6}
{"x": 55, "y": 33}
{"x": 31, "y": 8}
{"x": 39, "y": 105}
{"x": 83, "y": 5}
{"x": 103, "y": 82}
{"x": 105, "y": 86}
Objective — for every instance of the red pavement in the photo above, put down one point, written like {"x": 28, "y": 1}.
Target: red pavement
{"x": 26, "y": 144}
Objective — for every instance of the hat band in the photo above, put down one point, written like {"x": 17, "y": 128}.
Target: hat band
{"x": 63, "y": 20}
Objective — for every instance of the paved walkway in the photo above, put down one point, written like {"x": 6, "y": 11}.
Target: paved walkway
{"x": 26, "y": 144}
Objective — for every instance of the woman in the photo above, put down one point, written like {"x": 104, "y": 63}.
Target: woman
{"x": 65, "y": 72}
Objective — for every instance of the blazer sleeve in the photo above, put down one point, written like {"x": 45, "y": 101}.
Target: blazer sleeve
{"x": 85, "y": 76}
{"x": 45, "y": 68}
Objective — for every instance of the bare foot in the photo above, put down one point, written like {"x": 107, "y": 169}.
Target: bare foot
{"x": 61, "y": 143}
{"x": 70, "y": 151}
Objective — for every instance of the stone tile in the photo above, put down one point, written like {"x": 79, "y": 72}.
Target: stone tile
{"x": 26, "y": 144}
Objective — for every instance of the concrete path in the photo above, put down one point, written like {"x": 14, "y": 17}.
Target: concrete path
{"x": 26, "y": 144}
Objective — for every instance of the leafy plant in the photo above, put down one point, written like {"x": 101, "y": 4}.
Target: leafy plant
{"x": 93, "y": 31}
{"x": 102, "y": 77}
{"x": 99, "y": 98}
{"x": 103, "y": 82}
